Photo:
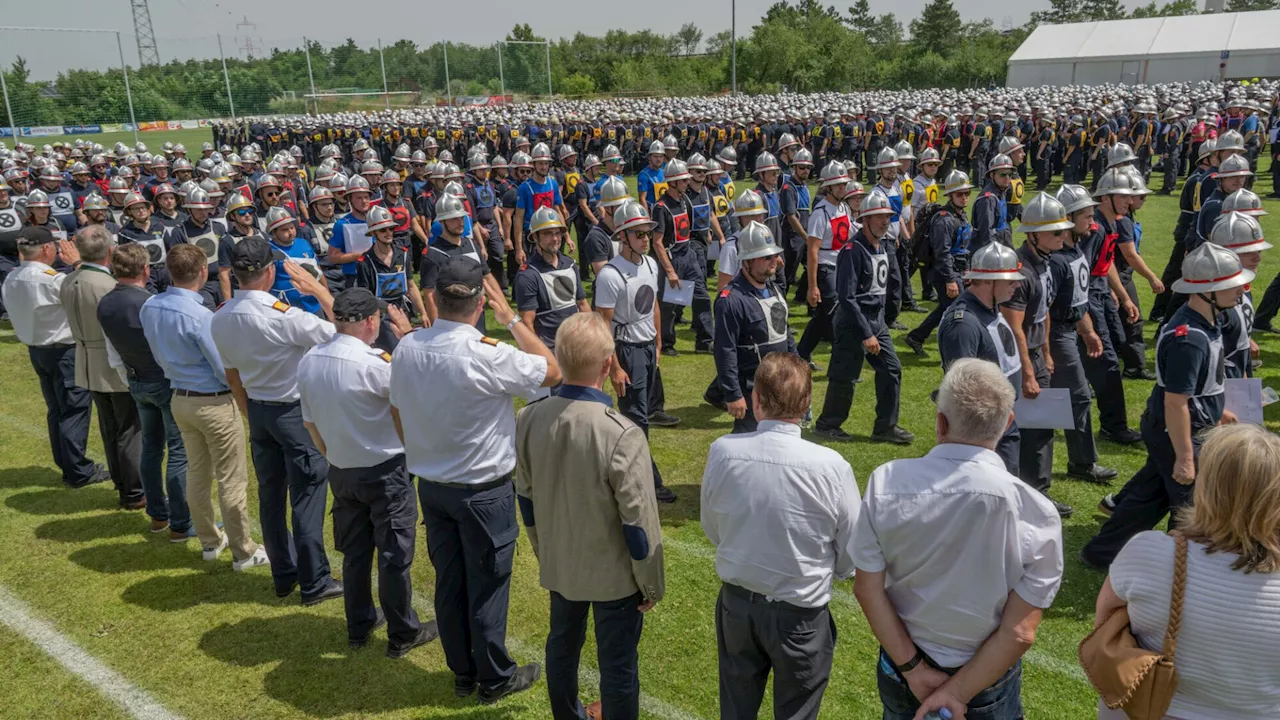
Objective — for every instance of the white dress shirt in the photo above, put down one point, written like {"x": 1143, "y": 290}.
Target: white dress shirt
{"x": 455, "y": 392}
{"x": 954, "y": 532}
{"x": 265, "y": 338}
{"x": 31, "y": 299}
{"x": 346, "y": 389}
{"x": 781, "y": 512}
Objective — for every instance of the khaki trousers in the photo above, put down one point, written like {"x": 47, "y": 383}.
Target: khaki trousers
{"x": 215, "y": 442}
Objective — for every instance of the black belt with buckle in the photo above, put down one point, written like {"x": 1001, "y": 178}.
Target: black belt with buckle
{"x": 194, "y": 393}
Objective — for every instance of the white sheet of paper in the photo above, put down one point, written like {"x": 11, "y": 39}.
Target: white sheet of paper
{"x": 1244, "y": 398}
{"x": 713, "y": 250}
{"x": 682, "y": 296}
{"x": 355, "y": 236}
{"x": 1050, "y": 411}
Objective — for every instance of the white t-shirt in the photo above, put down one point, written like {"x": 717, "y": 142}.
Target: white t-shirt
{"x": 631, "y": 290}
{"x": 1228, "y": 658}
{"x": 728, "y": 262}
{"x": 830, "y": 223}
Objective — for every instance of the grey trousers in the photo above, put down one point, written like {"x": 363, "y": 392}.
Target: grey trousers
{"x": 755, "y": 636}
{"x": 1068, "y": 372}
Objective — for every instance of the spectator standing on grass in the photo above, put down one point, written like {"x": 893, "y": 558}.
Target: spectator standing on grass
{"x": 176, "y": 325}
{"x": 781, "y": 513}
{"x": 1231, "y": 605}
{"x": 119, "y": 312}
{"x": 463, "y": 459}
{"x": 957, "y": 559}
{"x": 584, "y": 483}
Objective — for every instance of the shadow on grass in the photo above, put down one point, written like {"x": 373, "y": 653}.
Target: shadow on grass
{"x": 65, "y": 501}
{"x": 700, "y": 417}
{"x": 30, "y": 476}
{"x": 138, "y": 557}
{"x": 94, "y": 527}
{"x": 1078, "y": 596}
{"x": 316, "y": 673}
{"x": 168, "y": 593}
{"x": 686, "y": 508}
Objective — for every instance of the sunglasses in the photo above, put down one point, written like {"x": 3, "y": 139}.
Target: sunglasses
{"x": 243, "y": 211}
{"x": 1004, "y": 174}
{"x": 643, "y": 234}
{"x": 271, "y": 194}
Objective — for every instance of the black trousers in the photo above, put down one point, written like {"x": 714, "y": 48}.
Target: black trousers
{"x": 292, "y": 476}
{"x": 121, "y": 431}
{"x": 1172, "y": 272}
{"x": 1269, "y": 305}
{"x": 618, "y": 626}
{"x": 820, "y": 327}
{"x": 906, "y": 261}
{"x": 1035, "y": 447}
{"x": 471, "y": 539}
{"x": 1133, "y": 351}
{"x": 755, "y": 637}
{"x": 1171, "y": 163}
{"x": 893, "y": 288}
{"x": 639, "y": 361}
{"x": 931, "y": 321}
{"x": 1149, "y": 495}
{"x": 374, "y": 508}
{"x": 1068, "y": 372}
{"x": 67, "y": 410}
{"x": 689, "y": 259}
{"x": 1104, "y": 371}
{"x": 847, "y": 357}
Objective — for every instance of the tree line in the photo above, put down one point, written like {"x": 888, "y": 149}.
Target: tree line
{"x": 798, "y": 45}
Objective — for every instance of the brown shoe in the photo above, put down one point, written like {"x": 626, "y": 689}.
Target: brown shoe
{"x": 159, "y": 525}
{"x": 135, "y": 505}
{"x": 595, "y": 711}
{"x": 181, "y": 537}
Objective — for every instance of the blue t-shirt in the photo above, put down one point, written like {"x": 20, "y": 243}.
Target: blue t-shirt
{"x": 339, "y": 238}
{"x": 299, "y": 251}
{"x": 533, "y": 195}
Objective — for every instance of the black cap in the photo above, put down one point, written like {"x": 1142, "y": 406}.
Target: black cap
{"x": 460, "y": 271}
{"x": 355, "y": 304}
{"x": 253, "y": 253}
{"x": 34, "y": 235}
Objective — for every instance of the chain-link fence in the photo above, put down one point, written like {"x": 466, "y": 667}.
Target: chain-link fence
{"x": 94, "y": 84}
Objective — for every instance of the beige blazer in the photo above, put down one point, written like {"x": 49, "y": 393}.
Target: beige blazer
{"x": 80, "y": 294}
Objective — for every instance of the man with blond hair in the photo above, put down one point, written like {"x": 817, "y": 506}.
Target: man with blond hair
{"x": 584, "y": 484}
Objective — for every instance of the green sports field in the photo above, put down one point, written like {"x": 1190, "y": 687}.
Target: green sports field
{"x": 204, "y": 642}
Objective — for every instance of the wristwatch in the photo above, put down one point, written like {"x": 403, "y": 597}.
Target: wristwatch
{"x": 514, "y": 321}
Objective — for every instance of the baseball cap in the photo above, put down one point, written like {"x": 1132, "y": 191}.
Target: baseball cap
{"x": 460, "y": 271}
{"x": 33, "y": 235}
{"x": 355, "y": 304}
{"x": 253, "y": 254}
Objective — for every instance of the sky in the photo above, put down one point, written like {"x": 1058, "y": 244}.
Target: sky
{"x": 189, "y": 28}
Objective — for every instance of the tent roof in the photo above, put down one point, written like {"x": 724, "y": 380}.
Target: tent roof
{"x": 1145, "y": 37}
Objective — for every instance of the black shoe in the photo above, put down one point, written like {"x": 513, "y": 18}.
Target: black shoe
{"x": 718, "y": 404}
{"x": 895, "y": 435}
{"x": 1107, "y": 505}
{"x": 1064, "y": 510}
{"x": 913, "y": 308}
{"x": 100, "y": 475}
{"x": 379, "y": 621}
{"x": 1122, "y": 437}
{"x": 897, "y": 325}
{"x": 670, "y": 351}
{"x": 702, "y": 350}
{"x": 664, "y": 494}
{"x": 523, "y": 679}
{"x": 929, "y": 297}
{"x": 1139, "y": 374}
{"x": 426, "y": 633}
{"x": 463, "y": 687}
{"x": 334, "y": 590}
{"x": 286, "y": 593}
{"x": 1095, "y": 473}
{"x": 916, "y": 346}
{"x": 814, "y": 367}
{"x": 834, "y": 433}
{"x": 1260, "y": 328}
{"x": 662, "y": 418}
{"x": 1085, "y": 561}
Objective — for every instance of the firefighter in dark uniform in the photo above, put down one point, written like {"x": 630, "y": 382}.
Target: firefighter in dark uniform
{"x": 681, "y": 260}
{"x": 751, "y": 322}
{"x": 948, "y": 235}
{"x": 1242, "y": 235}
{"x": 861, "y": 333}
{"x": 1169, "y": 146}
{"x": 991, "y": 207}
{"x": 1045, "y": 223}
{"x": 1187, "y": 401}
{"x": 142, "y": 228}
{"x": 385, "y": 271}
{"x": 974, "y": 328}
{"x": 1188, "y": 207}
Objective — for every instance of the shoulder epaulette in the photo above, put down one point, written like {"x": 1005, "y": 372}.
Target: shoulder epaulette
{"x": 1180, "y": 331}
{"x": 489, "y": 341}
{"x": 51, "y": 271}
{"x": 724, "y": 293}
{"x": 280, "y": 306}
{"x": 385, "y": 356}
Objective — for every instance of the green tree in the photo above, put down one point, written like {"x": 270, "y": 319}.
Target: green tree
{"x": 1059, "y": 12}
{"x": 522, "y": 33}
{"x": 1169, "y": 9}
{"x": 1103, "y": 9}
{"x": 860, "y": 17}
{"x": 937, "y": 28}
{"x": 690, "y": 37}
{"x": 1251, "y": 5}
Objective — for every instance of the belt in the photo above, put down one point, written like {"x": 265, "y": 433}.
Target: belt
{"x": 275, "y": 403}
{"x": 759, "y": 599}
{"x": 54, "y": 346}
{"x": 624, "y": 343}
{"x": 476, "y": 487}
{"x": 194, "y": 393}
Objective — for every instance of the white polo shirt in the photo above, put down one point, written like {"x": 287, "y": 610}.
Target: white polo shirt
{"x": 455, "y": 391}
{"x": 954, "y": 532}
{"x": 345, "y": 388}
{"x": 781, "y": 512}
{"x": 31, "y": 296}
{"x": 265, "y": 338}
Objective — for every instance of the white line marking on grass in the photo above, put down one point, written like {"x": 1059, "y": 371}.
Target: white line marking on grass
{"x": 24, "y": 427}
{"x": 136, "y": 701}
{"x": 1035, "y": 656}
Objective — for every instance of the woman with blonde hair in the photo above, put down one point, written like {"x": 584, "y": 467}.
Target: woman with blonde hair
{"x": 1228, "y": 646}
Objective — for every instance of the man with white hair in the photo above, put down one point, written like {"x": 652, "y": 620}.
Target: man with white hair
{"x": 956, "y": 607}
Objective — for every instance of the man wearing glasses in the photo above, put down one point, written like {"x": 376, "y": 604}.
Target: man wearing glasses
{"x": 241, "y": 223}
{"x": 991, "y": 209}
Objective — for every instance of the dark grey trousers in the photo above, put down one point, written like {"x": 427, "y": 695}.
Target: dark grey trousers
{"x": 755, "y": 636}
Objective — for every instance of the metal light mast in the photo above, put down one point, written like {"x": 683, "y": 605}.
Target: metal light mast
{"x": 147, "y": 52}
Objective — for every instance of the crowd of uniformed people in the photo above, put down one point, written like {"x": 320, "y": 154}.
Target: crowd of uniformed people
{"x": 327, "y": 280}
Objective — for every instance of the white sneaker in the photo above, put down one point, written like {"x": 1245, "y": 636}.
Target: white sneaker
{"x": 259, "y": 557}
{"x": 213, "y": 553}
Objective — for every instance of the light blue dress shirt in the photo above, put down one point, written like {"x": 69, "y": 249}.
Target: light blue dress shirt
{"x": 176, "y": 324}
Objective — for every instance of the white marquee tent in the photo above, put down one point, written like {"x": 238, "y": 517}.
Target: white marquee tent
{"x": 1150, "y": 50}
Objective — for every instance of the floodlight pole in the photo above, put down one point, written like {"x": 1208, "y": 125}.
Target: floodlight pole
{"x": 448, "y": 90}
{"x": 550, "y": 95}
{"x": 383, "y": 61}
{"x": 127, "y": 92}
{"x": 502, "y": 79}
{"x": 315, "y": 101}
{"x": 733, "y": 45}
{"x": 230, "y": 102}
{"x": 4, "y": 86}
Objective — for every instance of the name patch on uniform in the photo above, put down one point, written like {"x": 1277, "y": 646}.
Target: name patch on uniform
{"x": 280, "y": 305}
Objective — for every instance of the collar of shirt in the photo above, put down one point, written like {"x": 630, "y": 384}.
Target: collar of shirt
{"x": 258, "y": 295}
{"x": 779, "y": 426}
{"x": 442, "y": 326}
{"x": 349, "y": 342}
{"x": 966, "y": 453}
{"x": 582, "y": 392}
{"x": 185, "y": 294}
{"x": 95, "y": 266}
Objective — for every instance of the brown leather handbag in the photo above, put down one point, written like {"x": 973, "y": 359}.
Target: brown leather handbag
{"x": 1128, "y": 677}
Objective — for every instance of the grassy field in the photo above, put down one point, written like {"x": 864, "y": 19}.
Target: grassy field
{"x": 153, "y": 139}
{"x": 209, "y": 643}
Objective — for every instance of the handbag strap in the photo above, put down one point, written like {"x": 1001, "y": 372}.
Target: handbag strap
{"x": 1175, "y": 598}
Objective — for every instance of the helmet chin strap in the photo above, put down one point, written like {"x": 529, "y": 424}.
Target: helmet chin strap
{"x": 1212, "y": 299}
